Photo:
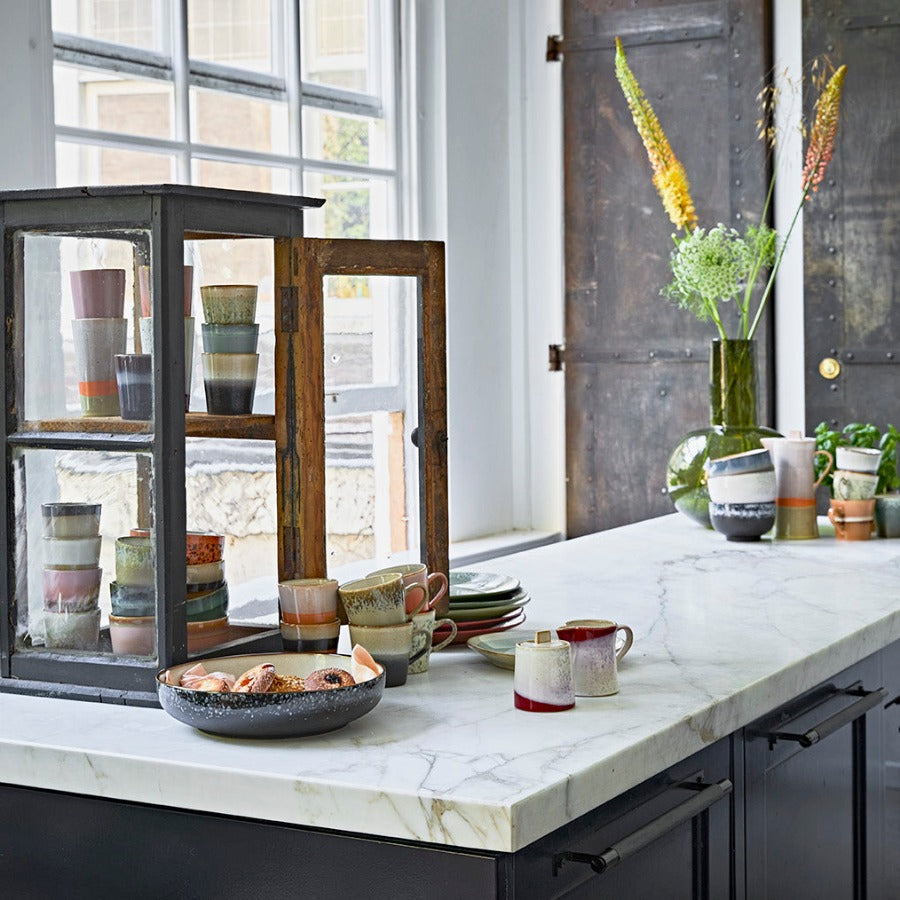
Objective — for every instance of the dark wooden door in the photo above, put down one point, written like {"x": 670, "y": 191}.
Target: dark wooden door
{"x": 852, "y": 230}
{"x": 636, "y": 367}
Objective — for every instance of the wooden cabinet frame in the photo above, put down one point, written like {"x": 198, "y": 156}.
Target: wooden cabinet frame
{"x": 171, "y": 215}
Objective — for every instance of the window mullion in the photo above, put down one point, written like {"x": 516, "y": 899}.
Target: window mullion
{"x": 294, "y": 88}
{"x": 181, "y": 79}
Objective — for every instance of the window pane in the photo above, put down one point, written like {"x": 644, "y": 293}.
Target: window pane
{"x": 91, "y": 98}
{"x": 232, "y": 120}
{"x": 338, "y": 49}
{"x": 241, "y": 177}
{"x": 78, "y": 164}
{"x": 232, "y": 32}
{"x": 354, "y": 139}
{"x": 356, "y": 207}
{"x": 137, "y": 23}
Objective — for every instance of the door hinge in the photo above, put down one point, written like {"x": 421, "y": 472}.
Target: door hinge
{"x": 554, "y": 47}
{"x": 557, "y": 357}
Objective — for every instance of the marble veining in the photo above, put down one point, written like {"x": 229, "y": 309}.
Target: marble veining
{"x": 723, "y": 633}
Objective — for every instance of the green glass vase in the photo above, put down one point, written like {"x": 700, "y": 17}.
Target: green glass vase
{"x": 732, "y": 428}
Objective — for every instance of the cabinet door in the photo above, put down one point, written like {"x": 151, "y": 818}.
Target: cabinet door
{"x": 813, "y": 792}
{"x": 654, "y": 839}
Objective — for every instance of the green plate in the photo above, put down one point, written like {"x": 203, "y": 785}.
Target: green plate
{"x": 480, "y": 584}
{"x": 488, "y": 602}
{"x": 489, "y": 612}
{"x": 499, "y": 649}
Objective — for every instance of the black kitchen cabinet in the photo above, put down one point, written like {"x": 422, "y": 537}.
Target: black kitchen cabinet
{"x": 814, "y": 791}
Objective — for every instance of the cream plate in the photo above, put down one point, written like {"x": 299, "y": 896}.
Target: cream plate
{"x": 480, "y": 584}
{"x": 500, "y": 649}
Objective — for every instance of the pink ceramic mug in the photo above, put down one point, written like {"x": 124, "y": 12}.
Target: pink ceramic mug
{"x": 417, "y": 574}
{"x": 594, "y": 654}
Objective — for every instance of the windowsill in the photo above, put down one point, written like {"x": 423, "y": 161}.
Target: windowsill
{"x": 466, "y": 553}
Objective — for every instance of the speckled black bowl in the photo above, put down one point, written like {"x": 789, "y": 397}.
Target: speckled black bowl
{"x": 742, "y": 521}
{"x": 276, "y": 715}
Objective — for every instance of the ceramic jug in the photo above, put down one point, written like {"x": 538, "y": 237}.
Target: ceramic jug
{"x": 795, "y": 484}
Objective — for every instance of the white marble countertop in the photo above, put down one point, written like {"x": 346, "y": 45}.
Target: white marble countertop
{"x": 724, "y": 633}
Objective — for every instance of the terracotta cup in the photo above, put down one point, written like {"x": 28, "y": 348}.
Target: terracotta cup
{"x": 853, "y": 520}
{"x": 98, "y": 293}
{"x": 594, "y": 654}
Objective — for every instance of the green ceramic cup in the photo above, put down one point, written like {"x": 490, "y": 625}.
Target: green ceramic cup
{"x": 229, "y": 304}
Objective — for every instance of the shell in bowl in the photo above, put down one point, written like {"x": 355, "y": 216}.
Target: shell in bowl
{"x": 270, "y": 715}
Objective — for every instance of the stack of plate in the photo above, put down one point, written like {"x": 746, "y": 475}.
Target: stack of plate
{"x": 481, "y": 603}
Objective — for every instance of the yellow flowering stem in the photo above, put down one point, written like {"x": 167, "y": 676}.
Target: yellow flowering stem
{"x": 669, "y": 177}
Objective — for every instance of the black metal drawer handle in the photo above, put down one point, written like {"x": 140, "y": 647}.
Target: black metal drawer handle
{"x": 637, "y": 840}
{"x": 867, "y": 700}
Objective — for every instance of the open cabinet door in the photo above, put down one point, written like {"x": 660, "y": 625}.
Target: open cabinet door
{"x": 636, "y": 367}
{"x": 852, "y": 230}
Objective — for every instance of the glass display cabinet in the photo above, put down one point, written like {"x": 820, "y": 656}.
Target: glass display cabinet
{"x": 115, "y": 562}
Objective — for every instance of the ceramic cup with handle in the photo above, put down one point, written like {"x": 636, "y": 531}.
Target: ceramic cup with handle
{"x": 434, "y": 584}
{"x": 594, "y": 655}
{"x": 379, "y": 600}
{"x": 854, "y": 485}
{"x": 853, "y": 520}
{"x": 543, "y": 675}
{"x": 308, "y": 601}
{"x": 390, "y": 645}
{"x": 424, "y": 624}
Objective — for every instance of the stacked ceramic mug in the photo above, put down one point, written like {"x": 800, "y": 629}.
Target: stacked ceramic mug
{"x": 99, "y": 330}
{"x": 146, "y": 324}
{"x": 381, "y": 609}
{"x": 132, "y": 625}
{"x": 230, "y": 337}
{"x": 308, "y": 615}
{"x": 852, "y": 510}
{"x": 71, "y": 575}
{"x": 742, "y": 494}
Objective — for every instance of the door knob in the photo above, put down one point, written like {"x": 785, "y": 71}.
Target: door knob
{"x": 829, "y": 368}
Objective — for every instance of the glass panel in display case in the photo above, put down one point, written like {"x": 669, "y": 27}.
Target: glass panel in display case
{"x": 84, "y": 571}
{"x": 249, "y": 262}
{"x": 80, "y": 306}
{"x": 230, "y": 493}
{"x": 371, "y": 390}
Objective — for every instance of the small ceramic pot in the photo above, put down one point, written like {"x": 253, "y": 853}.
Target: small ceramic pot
{"x": 134, "y": 561}
{"x": 319, "y": 637}
{"x": 543, "y": 676}
{"x": 742, "y": 521}
{"x": 200, "y": 606}
{"x": 230, "y": 338}
{"x": 308, "y": 601}
{"x": 133, "y": 635}
{"x": 146, "y": 332}
{"x": 72, "y": 553}
{"x": 857, "y": 459}
{"x": 229, "y": 304}
{"x": 70, "y": 520}
{"x": 887, "y": 515}
{"x": 211, "y": 574}
{"x": 853, "y": 520}
{"x": 71, "y": 590}
{"x": 130, "y": 601}
{"x": 204, "y": 547}
{"x": 72, "y": 630}
{"x": 98, "y": 293}
{"x": 134, "y": 374}
{"x": 229, "y": 380}
{"x": 97, "y": 343}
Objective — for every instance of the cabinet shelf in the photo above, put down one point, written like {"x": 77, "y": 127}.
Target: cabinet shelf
{"x": 98, "y": 429}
